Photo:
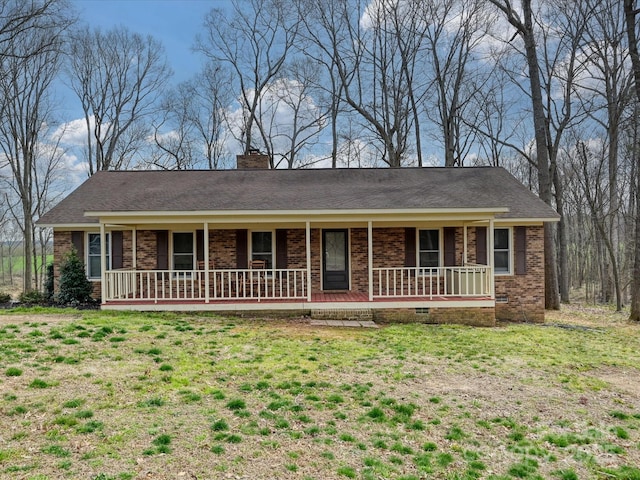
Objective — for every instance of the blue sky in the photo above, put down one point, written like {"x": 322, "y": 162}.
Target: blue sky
{"x": 173, "y": 22}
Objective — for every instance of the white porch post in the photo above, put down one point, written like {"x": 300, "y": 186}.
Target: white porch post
{"x": 370, "y": 257}
{"x": 308, "y": 247}
{"x": 134, "y": 259}
{"x": 464, "y": 245}
{"x": 490, "y": 259}
{"x": 134, "y": 248}
{"x": 103, "y": 263}
{"x": 206, "y": 262}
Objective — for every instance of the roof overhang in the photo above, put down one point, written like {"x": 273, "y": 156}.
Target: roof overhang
{"x": 297, "y": 216}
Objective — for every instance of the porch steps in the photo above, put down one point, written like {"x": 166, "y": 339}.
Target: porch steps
{"x": 349, "y": 314}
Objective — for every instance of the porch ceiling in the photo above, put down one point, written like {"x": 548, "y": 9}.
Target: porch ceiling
{"x": 236, "y": 219}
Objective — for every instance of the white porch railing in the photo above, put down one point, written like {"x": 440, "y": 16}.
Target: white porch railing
{"x": 399, "y": 282}
{"x": 155, "y": 285}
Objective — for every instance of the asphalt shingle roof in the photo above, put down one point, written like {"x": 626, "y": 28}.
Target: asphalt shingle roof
{"x": 299, "y": 190}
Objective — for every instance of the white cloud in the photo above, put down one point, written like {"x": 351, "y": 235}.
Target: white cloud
{"x": 74, "y": 133}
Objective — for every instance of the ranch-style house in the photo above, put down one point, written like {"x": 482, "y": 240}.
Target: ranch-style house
{"x": 431, "y": 244}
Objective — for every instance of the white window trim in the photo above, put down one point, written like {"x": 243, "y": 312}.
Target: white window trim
{"x": 193, "y": 253}
{"x": 273, "y": 245}
{"x": 88, "y": 255}
{"x": 510, "y": 255}
{"x": 440, "y": 249}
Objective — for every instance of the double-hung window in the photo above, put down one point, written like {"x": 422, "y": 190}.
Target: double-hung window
{"x": 183, "y": 251}
{"x": 94, "y": 265}
{"x": 429, "y": 249}
{"x": 502, "y": 250}
{"x": 262, "y": 247}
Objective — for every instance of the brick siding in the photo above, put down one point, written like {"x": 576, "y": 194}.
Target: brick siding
{"x": 525, "y": 293}
{"x": 474, "y": 316}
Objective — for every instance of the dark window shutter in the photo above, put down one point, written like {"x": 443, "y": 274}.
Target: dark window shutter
{"x": 281, "y": 249}
{"x": 77, "y": 239}
{"x": 242, "y": 260}
{"x": 116, "y": 250}
{"x": 409, "y": 247}
{"x": 449, "y": 246}
{"x": 521, "y": 250}
{"x": 481, "y": 245}
{"x": 200, "y": 245}
{"x": 162, "y": 250}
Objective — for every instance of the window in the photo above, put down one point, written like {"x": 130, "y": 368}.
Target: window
{"x": 94, "y": 267}
{"x": 502, "y": 250}
{"x": 262, "y": 247}
{"x": 429, "y": 248}
{"x": 183, "y": 251}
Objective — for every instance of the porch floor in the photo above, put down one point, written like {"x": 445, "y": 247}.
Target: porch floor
{"x": 318, "y": 301}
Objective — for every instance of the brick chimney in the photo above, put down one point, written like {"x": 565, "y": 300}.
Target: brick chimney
{"x": 255, "y": 159}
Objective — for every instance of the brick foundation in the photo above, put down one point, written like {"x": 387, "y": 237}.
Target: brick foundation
{"x": 474, "y": 316}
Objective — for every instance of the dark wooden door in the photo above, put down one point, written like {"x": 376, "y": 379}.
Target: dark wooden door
{"x": 335, "y": 259}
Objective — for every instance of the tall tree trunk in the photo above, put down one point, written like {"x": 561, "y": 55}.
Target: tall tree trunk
{"x": 552, "y": 299}
{"x": 630, "y": 18}
{"x": 562, "y": 243}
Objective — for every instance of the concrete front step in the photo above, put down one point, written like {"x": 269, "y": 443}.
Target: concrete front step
{"x": 318, "y": 322}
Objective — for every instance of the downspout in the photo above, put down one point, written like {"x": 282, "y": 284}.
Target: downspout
{"x": 103, "y": 264}
{"x": 490, "y": 259}
{"x": 370, "y": 257}
{"x": 206, "y": 262}
{"x": 134, "y": 259}
{"x": 308, "y": 247}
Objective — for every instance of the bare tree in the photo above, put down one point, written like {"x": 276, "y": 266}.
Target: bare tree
{"x": 212, "y": 97}
{"x": 173, "y": 131}
{"x": 527, "y": 28}
{"x": 605, "y": 88}
{"x": 322, "y": 35}
{"x": 19, "y": 18}
{"x": 291, "y": 117}
{"x": 631, "y": 14}
{"x": 454, "y": 31}
{"x": 254, "y": 40}
{"x": 372, "y": 68}
{"x": 189, "y": 128}
{"x": 117, "y": 75}
{"x": 29, "y": 64}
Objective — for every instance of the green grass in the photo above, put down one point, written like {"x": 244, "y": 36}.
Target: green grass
{"x": 399, "y": 402}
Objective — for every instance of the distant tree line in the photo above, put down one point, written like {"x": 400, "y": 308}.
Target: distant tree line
{"x": 548, "y": 90}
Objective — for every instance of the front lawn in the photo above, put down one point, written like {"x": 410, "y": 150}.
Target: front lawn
{"x": 99, "y": 395}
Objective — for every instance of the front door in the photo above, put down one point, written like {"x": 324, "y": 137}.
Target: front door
{"x": 335, "y": 264}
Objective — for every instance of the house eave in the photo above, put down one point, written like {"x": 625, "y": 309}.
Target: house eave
{"x": 68, "y": 226}
{"x": 296, "y": 216}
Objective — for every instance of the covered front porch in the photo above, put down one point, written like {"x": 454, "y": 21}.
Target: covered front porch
{"x": 328, "y": 262}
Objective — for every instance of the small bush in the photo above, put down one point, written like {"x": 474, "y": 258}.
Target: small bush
{"x": 5, "y": 297}
{"x": 31, "y": 296}
{"x": 75, "y": 287}
{"x": 48, "y": 283}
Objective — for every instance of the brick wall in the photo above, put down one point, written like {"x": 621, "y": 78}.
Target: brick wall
{"x": 222, "y": 249}
{"x": 388, "y": 247}
{"x": 475, "y": 316}
{"x": 525, "y": 292}
{"x": 296, "y": 248}
{"x": 147, "y": 251}
{"x": 61, "y": 246}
